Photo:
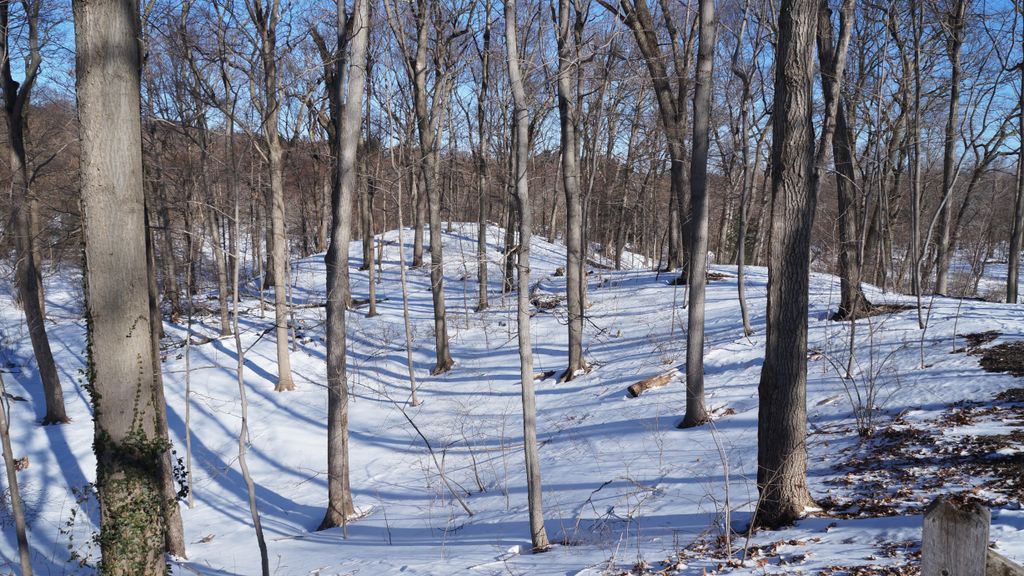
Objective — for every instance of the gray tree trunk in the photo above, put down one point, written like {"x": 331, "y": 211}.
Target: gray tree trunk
{"x": 695, "y": 412}
{"x": 852, "y": 301}
{"x": 782, "y": 410}
{"x": 266, "y": 19}
{"x": 427, "y": 125}
{"x": 568, "y": 69}
{"x": 482, "y": 134}
{"x": 538, "y": 535}
{"x": 1017, "y": 233}
{"x": 347, "y": 124}
{"x": 17, "y": 508}
{"x": 174, "y": 537}
{"x": 943, "y": 247}
{"x": 128, "y": 444}
{"x": 27, "y": 271}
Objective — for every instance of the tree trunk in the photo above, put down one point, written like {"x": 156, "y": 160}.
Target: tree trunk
{"x": 538, "y": 534}
{"x": 174, "y": 538}
{"x": 418, "y": 215}
{"x": 568, "y": 121}
{"x": 347, "y": 122}
{"x": 482, "y": 134}
{"x": 128, "y": 444}
{"x": 27, "y": 273}
{"x": 695, "y": 412}
{"x": 220, "y": 264}
{"x": 852, "y": 300}
{"x": 427, "y": 122}
{"x": 17, "y": 508}
{"x": 943, "y": 247}
{"x": 1013, "y": 258}
{"x": 782, "y": 411}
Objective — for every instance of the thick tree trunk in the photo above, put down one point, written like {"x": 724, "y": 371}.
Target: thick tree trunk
{"x": 782, "y": 411}
{"x": 695, "y": 412}
{"x": 538, "y": 535}
{"x": 128, "y": 445}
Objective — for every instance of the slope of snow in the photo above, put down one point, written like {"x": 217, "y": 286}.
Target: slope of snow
{"x": 622, "y": 486}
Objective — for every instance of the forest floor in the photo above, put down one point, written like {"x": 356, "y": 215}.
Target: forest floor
{"x": 625, "y": 492}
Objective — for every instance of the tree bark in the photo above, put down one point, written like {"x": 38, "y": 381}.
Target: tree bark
{"x": 782, "y": 410}
{"x": 265, "y": 19}
{"x": 695, "y": 412}
{"x": 943, "y": 248}
{"x": 538, "y": 535}
{"x": 347, "y": 113}
{"x": 427, "y": 125}
{"x": 1017, "y": 233}
{"x": 128, "y": 444}
{"x": 852, "y": 300}
{"x": 27, "y": 272}
{"x": 482, "y": 134}
{"x": 568, "y": 121}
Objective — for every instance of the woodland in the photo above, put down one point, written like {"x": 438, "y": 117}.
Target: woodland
{"x": 507, "y": 286}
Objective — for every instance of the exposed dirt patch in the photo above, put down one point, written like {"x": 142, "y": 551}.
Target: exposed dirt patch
{"x": 711, "y": 277}
{"x": 870, "y": 311}
{"x": 1008, "y": 358}
{"x": 978, "y": 339}
{"x": 1011, "y": 396}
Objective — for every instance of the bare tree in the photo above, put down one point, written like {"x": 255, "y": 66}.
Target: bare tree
{"x": 347, "y": 110}
{"x": 695, "y": 412}
{"x": 128, "y": 444}
{"x": 954, "y": 28}
{"x": 17, "y": 97}
{"x": 17, "y": 507}
{"x": 265, "y": 16}
{"x": 569, "y": 73}
{"x": 538, "y": 535}
{"x": 782, "y": 411}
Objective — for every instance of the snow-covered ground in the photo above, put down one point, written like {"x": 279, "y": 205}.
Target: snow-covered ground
{"x": 623, "y": 488}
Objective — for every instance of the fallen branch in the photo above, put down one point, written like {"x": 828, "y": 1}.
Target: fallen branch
{"x": 659, "y": 381}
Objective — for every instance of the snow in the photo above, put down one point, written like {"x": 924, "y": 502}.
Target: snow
{"x": 622, "y": 486}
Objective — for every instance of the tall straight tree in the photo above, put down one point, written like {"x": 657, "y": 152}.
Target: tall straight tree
{"x": 782, "y": 410}
{"x": 16, "y": 106}
{"x": 671, "y": 100}
{"x": 568, "y": 33}
{"x": 1017, "y": 229}
{"x": 521, "y": 125}
{"x": 695, "y": 412}
{"x": 346, "y": 109}
{"x": 128, "y": 444}
{"x": 481, "y": 160}
{"x": 852, "y": 301}
{"x": 429, "y": 107}
{"x": 954, "y": 27}
{"x": 265, "y": 16}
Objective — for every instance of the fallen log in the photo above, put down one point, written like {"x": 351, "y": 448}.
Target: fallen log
{"x": 659, "y": 381}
